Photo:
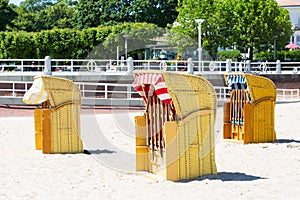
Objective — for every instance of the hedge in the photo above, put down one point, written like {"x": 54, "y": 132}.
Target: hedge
{"x": 293, "y": 55}
{"x": 59, "y": 43}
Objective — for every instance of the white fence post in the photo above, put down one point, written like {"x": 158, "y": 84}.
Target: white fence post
{"x": 190, "y": 68}
{"x": 128, "y": 92}
{"x": 129, "y": 65}
{"x": 241, "y": 66}
{"x": 228, "y": 65}
{"x": 278, "y": 67}
{"x": 47, "y": 70}
{"x": 105, "y": 91}
{"x": 248, "y": 66}
{"x": 72, "y": 65}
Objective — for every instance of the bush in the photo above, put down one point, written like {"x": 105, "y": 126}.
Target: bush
{"x": 60, "y": 43}
{"x": 280, "y": 55}
{"x": 234, "y": 55}
{"x": 292, "y": 55}
{"x": 264, "y": 55}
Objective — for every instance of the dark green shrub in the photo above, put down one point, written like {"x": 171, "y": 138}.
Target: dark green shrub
{"x": 234, "y": 55}
{"x": 283, "y": 56}
{"x": 61, "y": 43}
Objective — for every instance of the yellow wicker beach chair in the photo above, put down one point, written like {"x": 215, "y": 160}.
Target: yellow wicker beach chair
{"x": 175, "y": 136}
{"x": 249, "y": 115}
{"x": 57, "y": 123}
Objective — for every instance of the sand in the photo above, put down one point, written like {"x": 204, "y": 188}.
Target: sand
{"x": 253, "y": 171}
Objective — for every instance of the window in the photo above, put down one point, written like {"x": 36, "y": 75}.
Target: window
{"x": 298, "y": 40}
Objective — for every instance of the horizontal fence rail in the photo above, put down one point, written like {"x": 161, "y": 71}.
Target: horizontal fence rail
{"x": 291, "y": 94}
{"x": 12, "y": 92}
{"x": 112, "y": 66}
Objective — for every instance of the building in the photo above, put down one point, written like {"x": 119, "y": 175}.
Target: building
{"x": 293, "y": 6}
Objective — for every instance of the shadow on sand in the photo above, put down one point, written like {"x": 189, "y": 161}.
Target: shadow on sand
{"x": 283, "y": 141}
{"x": 227, "y": 176}
{"x": 98, "y": 151}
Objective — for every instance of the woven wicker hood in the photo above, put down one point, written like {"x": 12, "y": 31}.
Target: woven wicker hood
{"x": 189, "y": 93}
{"x": 56, "y": 90}
{"x": 258, "y": 87}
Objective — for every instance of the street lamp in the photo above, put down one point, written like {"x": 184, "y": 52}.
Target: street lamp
{"x": 275, "y": 37}
{"x": 125, "y": 36}
{"x": 199, "y": 21}
{"x": 293, "y": 34}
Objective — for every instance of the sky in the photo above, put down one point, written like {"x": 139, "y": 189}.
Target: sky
{"x": 17, "y": 2}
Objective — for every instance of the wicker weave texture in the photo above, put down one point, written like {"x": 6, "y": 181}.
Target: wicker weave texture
{"x": 190, "y": 93}
{"x": 62, "y": 125}
{"x": 258, "y": 111}
{"x": 60, "y": 90}
{"x": 189, "y": 136}
{"x": 195, "y": 136}
{"x": 196, "y": 147}
{"x": 66, "y": 130}
{"x": 263, "y": 122}
{"x": 260, "y": 87}
{"x": 38, "y": 129}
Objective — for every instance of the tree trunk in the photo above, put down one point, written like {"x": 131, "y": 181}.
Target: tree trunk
{"x": 251, "y": 53}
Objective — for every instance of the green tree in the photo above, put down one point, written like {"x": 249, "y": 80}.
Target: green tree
{"x": 92, "y": 13}
{"x": 59, "y": 15}
{"x": 36, "y": 15}
{"x": 240, "y": 24}
{"x": 159, "y": 12}
{"x": 36, "y": 5}
{"x": 255, "y": 23}
{"x": 189, "y": 11}
{"x": 7, "y": 14}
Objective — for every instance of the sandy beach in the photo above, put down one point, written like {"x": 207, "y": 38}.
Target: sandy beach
{"x": 253, "y": 171}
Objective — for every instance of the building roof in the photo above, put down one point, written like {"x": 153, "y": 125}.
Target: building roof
{"x": 285, "y": 3}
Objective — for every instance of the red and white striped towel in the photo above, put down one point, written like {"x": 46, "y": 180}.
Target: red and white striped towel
{"x": 144, "y": 83}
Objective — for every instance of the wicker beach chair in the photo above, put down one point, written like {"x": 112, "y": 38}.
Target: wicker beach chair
{"x": 57, "y": 123}
{"x": 249, "y": 114}
{"x": 175, "y": 136}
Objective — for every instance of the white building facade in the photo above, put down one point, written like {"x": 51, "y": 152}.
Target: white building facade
{"x": 293, "y": 6}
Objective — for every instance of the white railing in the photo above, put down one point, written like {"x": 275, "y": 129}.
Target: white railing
{"x": 17, "y": 89}
{"x": 291, "y": 94}
{"x": 223, "y": 93}
{"x": 107, "y": 90}
{"x": 111, "y": 66}
{"x": 13, "y": 88}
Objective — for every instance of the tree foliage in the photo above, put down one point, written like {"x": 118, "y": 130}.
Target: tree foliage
{"x": 92, "y": 13}
{"x": 238, "y": 24}
{"x": 159, "y": 12}
{"x": 284, "y": 55}
{"x": 37, "y": 15}
{"x": 229, "y": 24}
{"x": 234, "y": 55}
{"x": 7, "y": 14}
{"x": 66, "y": 43}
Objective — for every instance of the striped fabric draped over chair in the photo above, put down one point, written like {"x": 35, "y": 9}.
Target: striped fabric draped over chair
{"x": 57, "y": 122}
{"x": 175, "y": 136}
{"x": 149, "y": 84}
{"x": 239, "y": 97}
{"x": 249, "y": 114}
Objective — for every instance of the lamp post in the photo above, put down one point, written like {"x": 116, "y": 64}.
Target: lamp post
{"x": 125, "y": 36}
{"x": 118, "y": 56}
{"x": 199, "y": 21}
{"x": 275, "y": 37}
{"x": 293, "y": 34}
